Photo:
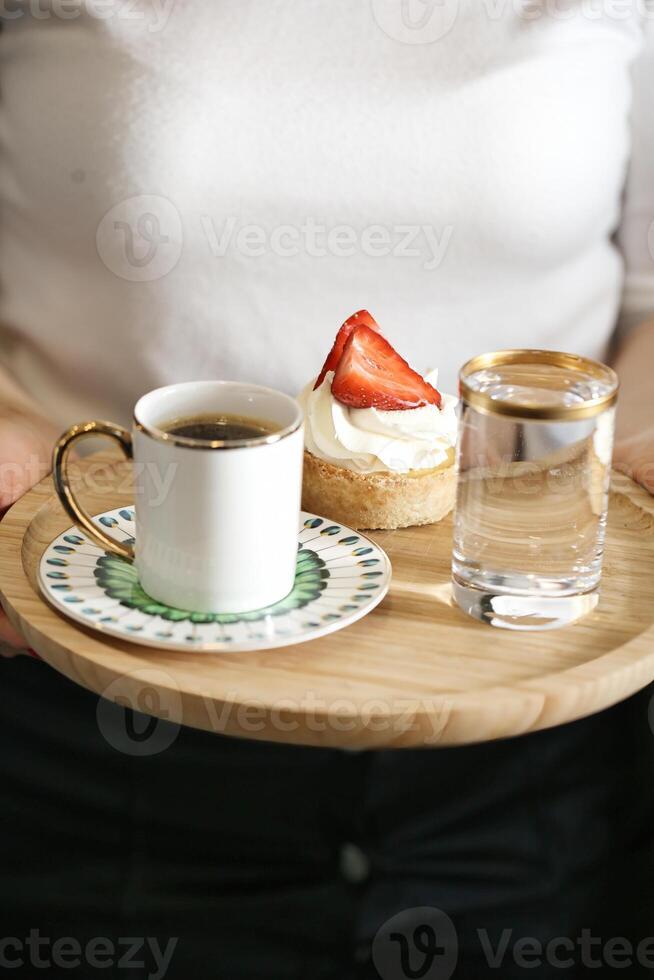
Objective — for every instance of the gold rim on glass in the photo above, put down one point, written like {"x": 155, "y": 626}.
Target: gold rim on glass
{"x": 485, "y": 403}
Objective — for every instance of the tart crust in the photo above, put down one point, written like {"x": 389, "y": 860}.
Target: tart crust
{"x": 378, "y": 501}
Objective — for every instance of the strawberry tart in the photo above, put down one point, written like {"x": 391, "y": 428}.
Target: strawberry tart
{"x": 380, "y": 438}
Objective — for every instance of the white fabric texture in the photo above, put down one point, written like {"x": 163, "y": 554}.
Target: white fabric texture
{"x": 207, "y": 188}
{"x": 636, "y": 236}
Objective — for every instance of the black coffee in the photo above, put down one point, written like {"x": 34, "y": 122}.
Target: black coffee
{"x": 223, "y": 428}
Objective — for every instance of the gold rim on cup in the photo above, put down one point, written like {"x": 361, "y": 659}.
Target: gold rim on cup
{"x": 189, "y": 442}
{"x": 485, "y": 403}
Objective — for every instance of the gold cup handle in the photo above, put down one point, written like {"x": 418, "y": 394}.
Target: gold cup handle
{"x": 64, "y": 489}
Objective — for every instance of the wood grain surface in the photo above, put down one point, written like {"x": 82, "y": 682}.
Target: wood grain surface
{"x": 415, "y": 672}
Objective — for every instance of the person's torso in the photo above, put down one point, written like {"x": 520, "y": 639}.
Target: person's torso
{"x": 194, "y": 189}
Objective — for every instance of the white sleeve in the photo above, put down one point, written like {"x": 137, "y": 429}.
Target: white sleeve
{"x": 636, "y": 234}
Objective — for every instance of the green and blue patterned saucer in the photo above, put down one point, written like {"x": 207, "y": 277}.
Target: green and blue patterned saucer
{"x": 341, "y": 576}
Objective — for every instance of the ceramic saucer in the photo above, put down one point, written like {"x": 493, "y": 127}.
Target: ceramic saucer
{"x": 341, "y": 576}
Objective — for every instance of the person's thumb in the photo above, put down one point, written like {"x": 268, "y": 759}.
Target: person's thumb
{"x": 11, "y": 641}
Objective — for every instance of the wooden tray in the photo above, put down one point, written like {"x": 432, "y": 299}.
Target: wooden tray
{"x": 414, "y": 672}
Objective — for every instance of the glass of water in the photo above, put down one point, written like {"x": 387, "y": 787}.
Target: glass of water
{"x": 534, "y": 456}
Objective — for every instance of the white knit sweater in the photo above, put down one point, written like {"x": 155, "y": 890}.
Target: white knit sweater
{"x": 206, "y": 188}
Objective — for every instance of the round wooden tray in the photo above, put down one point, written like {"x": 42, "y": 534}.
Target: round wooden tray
{"x": 415, "y": 672}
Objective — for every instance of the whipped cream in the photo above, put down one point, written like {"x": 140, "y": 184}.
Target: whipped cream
{"x": 368, "y": 440}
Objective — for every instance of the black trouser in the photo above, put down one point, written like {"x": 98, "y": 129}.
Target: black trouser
{"x": 274, "y": 863}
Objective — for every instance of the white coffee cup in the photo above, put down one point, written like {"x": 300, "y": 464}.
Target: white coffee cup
{"x": 216, "y": 522}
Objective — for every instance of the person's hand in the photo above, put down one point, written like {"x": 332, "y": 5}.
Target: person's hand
{"x": 25, "y": 450}
{"x": 634, "y": 455}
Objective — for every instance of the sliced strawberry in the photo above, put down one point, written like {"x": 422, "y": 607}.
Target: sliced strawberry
{"x": 371, "y": 374}
{"x": 334, "y": 356}
{"x": 362, "y": 318}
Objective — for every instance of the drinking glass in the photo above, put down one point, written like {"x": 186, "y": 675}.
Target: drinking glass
{"x": 534, "y": 456}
